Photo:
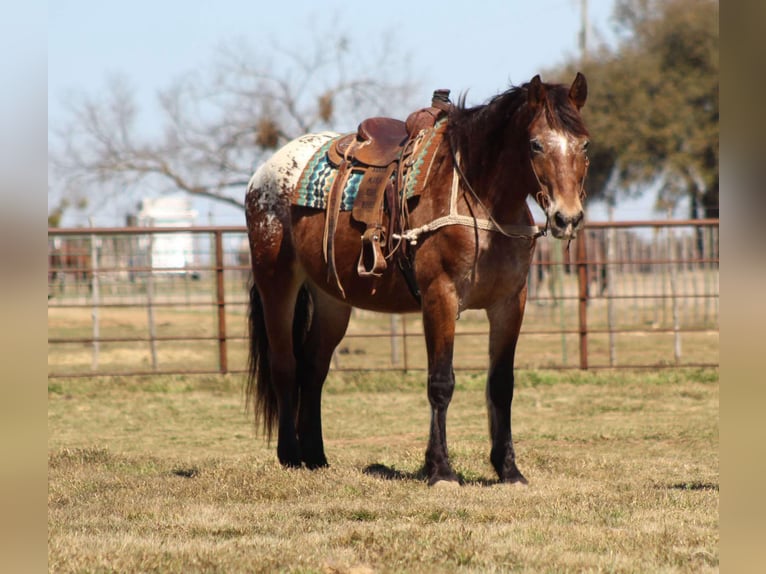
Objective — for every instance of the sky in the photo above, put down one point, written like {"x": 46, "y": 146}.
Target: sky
{"x": 479, "y": 47}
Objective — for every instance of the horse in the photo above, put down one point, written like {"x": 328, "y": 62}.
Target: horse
{"x": 68, "y": 256}
{"x": 469, "y": 237}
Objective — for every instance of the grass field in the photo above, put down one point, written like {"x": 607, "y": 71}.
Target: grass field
{"x": 164, "y": 474}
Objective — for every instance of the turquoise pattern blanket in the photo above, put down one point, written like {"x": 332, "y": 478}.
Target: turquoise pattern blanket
{"x": 317, "y": 179}
{"x": 319, "y": 174}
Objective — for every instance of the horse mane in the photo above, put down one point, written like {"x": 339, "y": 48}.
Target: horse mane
{"x": 483, "y": 130}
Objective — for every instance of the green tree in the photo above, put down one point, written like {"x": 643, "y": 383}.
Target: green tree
{"x": 653, "y": 103}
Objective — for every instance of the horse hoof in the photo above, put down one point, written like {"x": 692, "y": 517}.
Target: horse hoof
{"x": 287, "y": 463}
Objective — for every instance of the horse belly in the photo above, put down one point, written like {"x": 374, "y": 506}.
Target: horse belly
{"x": 388, "y": 293}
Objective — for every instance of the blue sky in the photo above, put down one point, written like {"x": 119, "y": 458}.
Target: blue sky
{"x": 479, "y": 47}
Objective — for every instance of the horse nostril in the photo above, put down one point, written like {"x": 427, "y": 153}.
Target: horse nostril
{"x": 578, "y": 218}
{"x": 560, "y": 220}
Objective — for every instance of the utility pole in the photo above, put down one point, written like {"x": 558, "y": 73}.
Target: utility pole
{"x": 584, "y": 30}
{"x": 582, "y": 250}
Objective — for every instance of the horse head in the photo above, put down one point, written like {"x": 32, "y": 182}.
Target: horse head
{"x": 558, "y": 145}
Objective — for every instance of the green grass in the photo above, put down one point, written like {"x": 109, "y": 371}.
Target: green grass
{"x": 164, "y": 474}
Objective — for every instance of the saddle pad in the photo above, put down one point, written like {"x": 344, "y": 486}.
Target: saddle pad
{"x": 317, "y": 179}
{"x": 416, "y": 175}
{"x": 319, "y": 174}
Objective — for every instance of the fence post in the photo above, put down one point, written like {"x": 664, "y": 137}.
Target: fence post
{"x": 611, "y": 291}
{"x": 558, "y": 292}
{"x": 582, "y": 281}
{"x": 394, "y": 340}
{"x": 672, "y": 262}
{"x": 95, "y": 295}
{"x": 150, "y": 301}
{"x": 223, "y": 362}
{"x": 404, "y": 343}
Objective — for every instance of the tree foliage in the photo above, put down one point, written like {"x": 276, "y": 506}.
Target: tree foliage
{"x": 653, "y": 103}
{"x": 218, "y": 124}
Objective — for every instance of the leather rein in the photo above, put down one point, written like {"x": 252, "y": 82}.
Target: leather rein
{"x": 541, "y": 197}
{"x": 490, "y": 224}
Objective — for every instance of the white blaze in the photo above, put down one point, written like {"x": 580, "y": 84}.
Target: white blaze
{"x": 559, "y": 140}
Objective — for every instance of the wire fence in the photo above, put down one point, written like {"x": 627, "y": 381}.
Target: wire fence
{"x": 136, "y": 301}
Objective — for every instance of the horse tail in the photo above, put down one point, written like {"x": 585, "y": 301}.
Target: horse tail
{"x": 260, "y": 386}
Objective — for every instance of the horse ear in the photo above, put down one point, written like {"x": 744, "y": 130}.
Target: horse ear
{"x": 535, "y": 92}
{"x": 578, "y": 93}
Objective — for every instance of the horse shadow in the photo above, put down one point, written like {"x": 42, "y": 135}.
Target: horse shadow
{"x": 385, "y": 472}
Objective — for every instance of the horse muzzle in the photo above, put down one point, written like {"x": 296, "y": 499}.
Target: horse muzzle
{"x": 565, "y": 225}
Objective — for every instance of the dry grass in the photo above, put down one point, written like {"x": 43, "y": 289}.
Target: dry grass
{"x": 162, "y": 474}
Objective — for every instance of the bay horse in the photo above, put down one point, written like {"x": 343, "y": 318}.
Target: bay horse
{"x": 528, "y": 140}
{"x": 69, "y": 256}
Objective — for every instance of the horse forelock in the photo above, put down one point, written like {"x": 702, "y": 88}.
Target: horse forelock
{"x": 560, "y": 112}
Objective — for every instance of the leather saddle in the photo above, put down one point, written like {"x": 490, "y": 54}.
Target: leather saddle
{"x": 378, "y": 142}
{"x": 374, "y": 150}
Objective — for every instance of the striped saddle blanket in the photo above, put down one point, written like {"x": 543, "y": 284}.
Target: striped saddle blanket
{"x": 319, "y": 174}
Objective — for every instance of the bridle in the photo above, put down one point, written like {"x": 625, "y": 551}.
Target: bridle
{"x": 490, "y": 224}
{"x": 542, "y": 197}
{"x": 469, "y": 187}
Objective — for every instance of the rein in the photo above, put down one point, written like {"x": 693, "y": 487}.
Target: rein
{"x": 454, "y": 218}
{"x": 533, "y": 231}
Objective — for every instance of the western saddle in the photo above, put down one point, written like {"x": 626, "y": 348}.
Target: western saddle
{"x": 376, "y": 152}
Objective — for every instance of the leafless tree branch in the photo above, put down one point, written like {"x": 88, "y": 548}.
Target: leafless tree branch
{"x": 218, "y": 126}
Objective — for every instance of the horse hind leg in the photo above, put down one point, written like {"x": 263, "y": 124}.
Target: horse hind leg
{"x": 272, "y": 379}
{"x": 313, "y": 349}
{"x": 278, "y": 281}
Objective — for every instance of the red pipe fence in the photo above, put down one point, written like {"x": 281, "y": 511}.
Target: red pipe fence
{"x": 168, "y": 300}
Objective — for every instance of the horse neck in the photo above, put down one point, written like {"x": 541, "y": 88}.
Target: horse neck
{"x": 501, "y": 178}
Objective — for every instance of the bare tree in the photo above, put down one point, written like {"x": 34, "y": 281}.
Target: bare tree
{"x": 219, "y": 125}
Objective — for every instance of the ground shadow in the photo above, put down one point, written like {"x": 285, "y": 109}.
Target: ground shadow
{"x": 694, "y": 485}
{"x": 185, "y": 472}
{"x": 378, "y": 470}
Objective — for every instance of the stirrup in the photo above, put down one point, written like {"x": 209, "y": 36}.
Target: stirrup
{"x": 371, "y": 263}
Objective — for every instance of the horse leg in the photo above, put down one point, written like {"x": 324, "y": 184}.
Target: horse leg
{"x": 328, "y": 326}
{"x": 52, "y": 283}
{"x": 273, "y": 301}
{"x": 279, "y": 312}
{"x": 504, "y": 325}
{"x": 439, "y": 313}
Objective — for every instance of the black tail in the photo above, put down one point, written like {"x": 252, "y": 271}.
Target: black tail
{"x": 260, "y": 387}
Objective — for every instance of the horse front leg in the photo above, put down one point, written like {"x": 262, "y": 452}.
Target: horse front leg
{"x": 439, "y": 313}
{"x": 504, "y": 323}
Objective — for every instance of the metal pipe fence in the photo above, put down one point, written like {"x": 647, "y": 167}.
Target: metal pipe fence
{"x": 168, "y": 300}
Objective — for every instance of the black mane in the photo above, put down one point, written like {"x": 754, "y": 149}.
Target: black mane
{"x": 483, "y": 131}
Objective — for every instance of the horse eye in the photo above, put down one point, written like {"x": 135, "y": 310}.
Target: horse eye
{"x": 585, "y": 146}
{"x": 535, "y": 146}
